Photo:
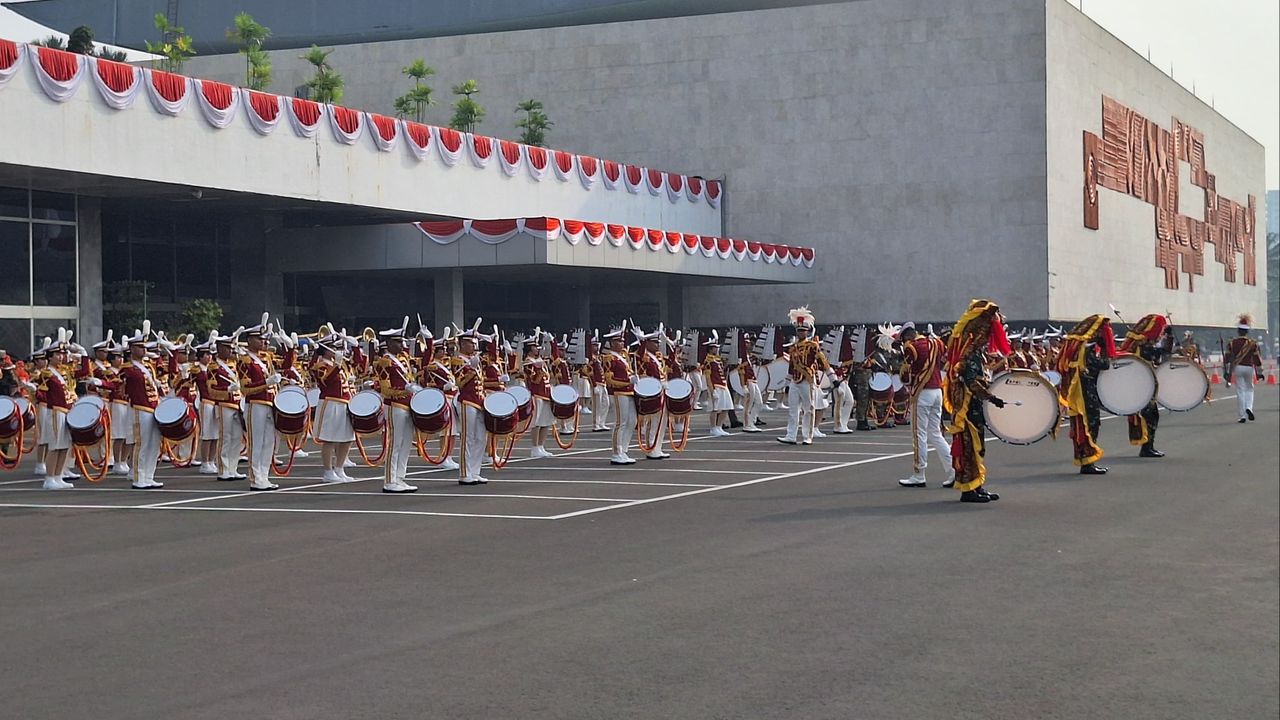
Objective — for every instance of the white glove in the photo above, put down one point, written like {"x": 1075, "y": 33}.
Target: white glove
{"x": 450, "y": 387}
{"x": 30, "y": 386}
{"x": 367, "y": 384}
{"x": 413, "y": 387}
{"x": 234, "y": 387}
{"x": 93, "y": 382}
{"x": 504, "y": 377}
{"x": 274, "y": 379}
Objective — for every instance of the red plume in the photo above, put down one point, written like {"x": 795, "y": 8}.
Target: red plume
{"x": 1108, "y": 339}
{"x": 997, "y": 341}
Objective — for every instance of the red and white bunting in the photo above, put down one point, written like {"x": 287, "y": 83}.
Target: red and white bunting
{"x": 385, "y": 131}
{"x": 655, "y": 180}
{"x": 218, "y": 102}
{"x": 543, "y": 228}
{"x": 537, "y": 160}
{"x": 169, "y": 93}
{"x": 713, "y": 193}
{"x": 419, "y": 138}
{"x": 495, "y": 232}
{"x": 59, "y": 72}
{"x": 443, "y": 232}
{"x": 449, "y": 144}
{"x": 611, "y": 174}
{"x": 480, "y": 149}
{"x": 562, "y": 163}
{"x": 509, "y": 157}
{"x": 588, "y": 171}
{"x": 305, "y": 116}
{"x": 12, "y": 55}
{"x": 347, "y": 124}
{"x": 633, "y": 177}
{"x": 615, "y": 234}
{"x": 263, "y": 110}
{"x": 117, "y": 82}
{"x": 693, "y": 188}
{"x": 675, "y": 187}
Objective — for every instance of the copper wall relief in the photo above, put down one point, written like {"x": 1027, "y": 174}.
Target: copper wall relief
{"x": 1137, "y": 157}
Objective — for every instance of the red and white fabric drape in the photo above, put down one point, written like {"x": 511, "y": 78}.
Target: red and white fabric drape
{"x": 575, "y": 232}
{"x": 480, "y": 149}
{"x": 12, "y": 56}
{"x": 117, "y": 83}
{"x": 449, "y": 144}
{"x": 218, "y": 102}
{"x": 169, "y": 93}
{"x": 305, "y": 116}
{"x": 385, "y": 131}
{"x": 264, "y": 110}
{"x": 59, "y": 72}
{"x": 347, "y": 124}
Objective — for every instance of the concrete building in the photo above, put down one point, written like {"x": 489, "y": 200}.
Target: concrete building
{"x": 929, "y": 152}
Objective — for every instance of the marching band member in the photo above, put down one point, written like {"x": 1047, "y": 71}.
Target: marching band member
{"x": 805, "y": 361}
{"x": 395, "y": 372}
{"x": 1088, "y": 350}
{"x": 537, "y": 379}
{"x": 1243, "y": 364}
{"x": 562, "y": 374}
{"x": 39, "y": 400}
{"x": 901, "y": 403}
{"x": 649, "y": 364}
{"x": 1147, "y": 338}
{"x": 433, "y": 371}
{"x": 471, "y": 394}
{"x": 978, "y": 332}
{"x": 599, "y": 393}
{"x": 923, "y": 363}
{"x": 122, "y": 443}
{"x": 862, "y": 390}
{"x": 210, "y": 425}
{"x": 880, "y": 361}
{"x": 1189, "y": 349}
{"x": 621, "y": 389}
{"x": 143, "y": 389}
{"x": 842, "y": 392}
{"x": 754, "y": 400}
{"x": 224, "y": 390}
{"x": 59, "y": 395}
{"x": 258, "y": 380}
{"x": 717, "y": 382}
{"x": 333, "y": 429}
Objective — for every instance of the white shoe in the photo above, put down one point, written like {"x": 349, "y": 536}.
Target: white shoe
{"x": 265, "y": 485}
{"x": 41, "y": 469}
{"x": 70, "y": 474}
{"x": 912, "y": 481}
{"x": 165, "y": 459}
{"x": 787, "y": 440}
{"x": 657, "y": 456}
{"x": 449, "y": 464}
{"x": 302, "y": 454}
{"x": 122, "y": 469}
{"x": 399, "y": 486}
{"x": 342, "y": 473}
{"x": 751, "y": 429}
{"x": 348, "y": 463}
{"x": 147, "y": 485}
{"x": 545, "y": 453}
{"x": 818, "y": 433}
{"x": 534, "y": 454}
{"x": 739, "y": 407}
{"x": 209, "y": 469}
{"x": 586, "y": 411}
{"x": 767, "y": 406}
{"x": 52, "y": 483}
{"x": 332, "y": 476}
{"x": 949, "y": 482}
{"x": 784, "y": 406}
{"x": 621, "y": 460}
{"x": 697, "y": 406}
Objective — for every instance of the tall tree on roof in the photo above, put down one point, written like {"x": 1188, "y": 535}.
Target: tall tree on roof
{"x": 533, "y": 126}
{"x": 327, "y": 85}
{"x": 467, "y": 113}
{"x": 175, "y": 45}
{"x": 81, "y": 40}
{"x": 250, "y": 35}
{"x": 415, "y": 102}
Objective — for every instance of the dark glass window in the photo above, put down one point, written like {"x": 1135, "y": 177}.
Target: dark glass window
{"x": 15, "y": 336}
{"x": 53, "y": 206}
{"x": 53, "y": 264}
{"x": 15, "y": 256}
{"x": 13, "y": 202}
{"x": 49, "y": 329}
{"x": 197, "y": 255}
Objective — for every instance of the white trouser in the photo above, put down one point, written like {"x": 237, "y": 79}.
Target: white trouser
{"x": 400, "y": 437}
{"x": 624, "y": 424}
{"x": 147, "y": 440}
{"x": 232, "y": 439}
{"x": 600, "y": 405}
{"x": 262, "y": 443}
{"x": 754, "y": 402}
{"x": 1242, "y": 377}
{"x": 844, "y": 406}
{"x": 655, "y": 429}
{"x": 927, "y": 419}
{"x": 800, "y": 410}
{"x": 474, "y": 439}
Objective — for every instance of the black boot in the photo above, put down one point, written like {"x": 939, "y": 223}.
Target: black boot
{"x": 760, "y": 423}
{"x": 1092, "y": 469}
{"x": 974, "y": 496}
{"x": 1149, "y": 450}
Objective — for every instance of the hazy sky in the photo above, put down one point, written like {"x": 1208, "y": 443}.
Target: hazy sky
{"x": 1229, "y": 49}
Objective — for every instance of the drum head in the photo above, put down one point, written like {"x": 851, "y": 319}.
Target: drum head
{"x": 93, "y": 400}
{"x": 1030, "y": 411}
{"x": 313, "y": 397}
{"x": 679, "y": 388}
{"x": 83, "y": 416}
{"x": 881, "y": 381}
{"x": 501, "y": 404}
{"x": 291, "y": 389}
{"x": 648, "y": 387}
{"x": 427, "y": 402}
{"x": 8, "y": 408}
{"x": 779, "y": 373}
{"x": 171, "y": 410}
{"x": 365, "y": 403}
{"x": 1127, "y": 386}
{"x": 521, "y": 394}
{"x": 23, "y": 404}
{"x": 1053, "y": 376}
{"x": 564, "y": 395}
{"x": 1181, "y": 386}
{"x": 896, "y": 382}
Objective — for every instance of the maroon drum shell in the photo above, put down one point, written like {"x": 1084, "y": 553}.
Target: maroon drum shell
{"x": 28, "y": 412}
{"x": 11, "y": 423}
{"x": 374, "y": 418}
{"x": 180, "y": 429}
{"x": 524, "y": 401}
{"x": 649, "y": 396}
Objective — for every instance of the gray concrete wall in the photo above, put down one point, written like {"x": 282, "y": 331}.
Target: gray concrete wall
{"x": 904, "y": 139}
{"x": 1116, "y": 262}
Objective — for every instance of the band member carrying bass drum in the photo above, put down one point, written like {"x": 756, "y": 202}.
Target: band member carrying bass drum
{"x": 434, "y": 373}
{"x": 1087, "y": 351}
{"x": 1150, "y": 338}
{"x": 977, "y": 334}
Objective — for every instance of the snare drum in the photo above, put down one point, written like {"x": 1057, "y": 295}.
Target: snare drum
{"x": 680, "y": 397}
{"x": 1030, "y": 409}
{"x": 881, "y": 382}
{"x": 648, "y": 396}
{"x": 289, "y": 412}
{"x": 501, "y": 413}
{"x": 175, "y": 419}
{"x": 430, "y": 410}
{"x": 1127, "y": 386}
{"x": 366, "y": 412}
{"x": 564, "y": 402}
{"x": 895, "y": 381}
{"x": 1181, "y": 385}
{"x": 28, "y": 413}
{"x": 84, "y": 422}
{"x": 524, "y": 401}
{"x": 10, "y": 418}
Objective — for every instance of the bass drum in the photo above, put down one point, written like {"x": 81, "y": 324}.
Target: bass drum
{"x": 779, "y": 374}
{"x": 735, "y": 383}
{"x": 880, "y": 382}
{"x": 1181, "y": 385}
{"x": 1053, "y": 376}
{"x": 1030, "y": 409}
{"x": 10, "y": 419}
{"x": 1127, "y": 386}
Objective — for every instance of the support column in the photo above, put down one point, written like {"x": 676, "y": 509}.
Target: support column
{"x": 583, "y": 303}
{"x": 89, "y": 261}
{"x": 675, "y": 313}
{"x": 448, "y": 299}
